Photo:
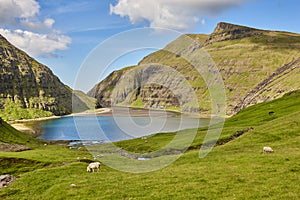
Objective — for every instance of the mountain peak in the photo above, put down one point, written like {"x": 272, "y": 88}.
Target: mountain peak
{"x": 226, "y": 31}
{"x": 226, "y": 27}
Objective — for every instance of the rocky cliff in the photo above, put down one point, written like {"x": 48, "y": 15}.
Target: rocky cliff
{"x": 226, "y": 31}
{"x": 255, "y": 65}
{"x": 30, "y": 84}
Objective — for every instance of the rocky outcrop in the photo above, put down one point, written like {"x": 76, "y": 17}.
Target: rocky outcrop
{"x": 6, "y": 147}
{"x": 225, "y": 31}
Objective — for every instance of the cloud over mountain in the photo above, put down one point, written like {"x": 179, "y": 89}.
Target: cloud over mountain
{"x": 174, "y": 14}
{"x": 37, "y": 44}
{"x": 21, "y": 24}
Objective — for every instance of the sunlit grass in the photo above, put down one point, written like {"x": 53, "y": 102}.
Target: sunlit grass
{"x": 235, "y": 170}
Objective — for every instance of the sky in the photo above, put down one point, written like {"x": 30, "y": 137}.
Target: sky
{"x": 95, "y": 37}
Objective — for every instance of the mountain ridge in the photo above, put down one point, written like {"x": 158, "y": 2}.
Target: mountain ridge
{"x": 244, "y": 56}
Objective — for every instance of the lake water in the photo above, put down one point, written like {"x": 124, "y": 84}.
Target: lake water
{"x": 114, "y": 128}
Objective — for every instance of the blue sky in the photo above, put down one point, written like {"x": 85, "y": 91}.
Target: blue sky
{"x": 62, "y": 34}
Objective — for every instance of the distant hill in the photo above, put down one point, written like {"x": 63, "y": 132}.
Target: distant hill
{"x": 82, "y": 102}
{"x": 256, "y": 66}
{"x": 30, "y": 85}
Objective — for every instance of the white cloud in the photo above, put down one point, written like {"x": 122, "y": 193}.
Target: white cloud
{"x": 48, "y": 22}
{"x": 37, "y": 44}
{"x": 25, "y": 29}
{"x": 37, "y": 25}
{"x": 174, "y": 14}
{"x": 13, "y": 11}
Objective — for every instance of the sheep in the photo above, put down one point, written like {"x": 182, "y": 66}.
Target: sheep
{"x": 92, "y": 166}
{"x": 268, "y": 150}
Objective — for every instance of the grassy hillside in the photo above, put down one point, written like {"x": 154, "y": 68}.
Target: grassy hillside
{"x": 243, "y": 63}
{"x": 10, "y": 135}
{"x": 12, "y": 140}
{"x": 256, "y": 66}
{"x": 235, "y": 169}
{"x": 29, "y": 89}
{"x": 282, "y": 115}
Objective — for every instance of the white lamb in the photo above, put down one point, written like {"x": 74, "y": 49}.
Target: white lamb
{"x": 268, "y": 150}
{"x": 92, "y": 166}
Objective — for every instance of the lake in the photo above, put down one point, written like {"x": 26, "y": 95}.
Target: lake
{"x": 110, "y": 128}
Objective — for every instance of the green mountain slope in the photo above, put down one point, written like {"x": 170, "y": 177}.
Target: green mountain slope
{"x": 13, "y": 140}
{"x": 256, "y": 66}
{"x": 29, "y": 89}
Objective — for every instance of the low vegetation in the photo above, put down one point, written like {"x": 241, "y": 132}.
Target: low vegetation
{"x": 13, "y": 111}
{"x": 235, "y": 169}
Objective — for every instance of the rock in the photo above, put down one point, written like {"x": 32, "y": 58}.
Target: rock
{"x": 226, "y": 31}
{"x": 5, "y": 180}
{"x": 6, "y": 147}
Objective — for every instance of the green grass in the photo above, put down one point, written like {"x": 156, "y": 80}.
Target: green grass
{"x": 138, "y": 103}
{"x": 235, "y": 170}
{"x": 13, "y": 111}
{"x": 10, "y": 135}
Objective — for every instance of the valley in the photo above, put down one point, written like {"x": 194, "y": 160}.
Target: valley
{"x": 259, "y": 70}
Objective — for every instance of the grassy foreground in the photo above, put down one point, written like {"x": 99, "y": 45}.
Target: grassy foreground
{"x": 237, "y": 169}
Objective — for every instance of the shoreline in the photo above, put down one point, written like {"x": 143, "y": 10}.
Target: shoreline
{"x": 28, "y": 126}
{"x": 23, "y": 125}
{"x": 98, "y": 111}
{"x": 34, "y": 119}
{"x": 90, "y": 112}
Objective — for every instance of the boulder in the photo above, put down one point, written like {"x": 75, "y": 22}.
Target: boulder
{"x": 5, "y": 180}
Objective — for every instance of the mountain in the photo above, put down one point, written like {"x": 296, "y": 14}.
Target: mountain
{"x": 255, "y": 65}
{"x": 82, "y": 102}
{"x": 28, "y": 84}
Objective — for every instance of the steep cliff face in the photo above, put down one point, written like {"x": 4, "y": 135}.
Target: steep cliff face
{"x": 30, "y": 84}
{"x": 256, "y": 66}
{"x": 103, "y": 91}
{"x": 226, "y": 31}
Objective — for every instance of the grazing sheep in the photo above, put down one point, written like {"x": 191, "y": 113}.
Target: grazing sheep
{"x": 267, "y": 150}
{"x": 92, "y": 166}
